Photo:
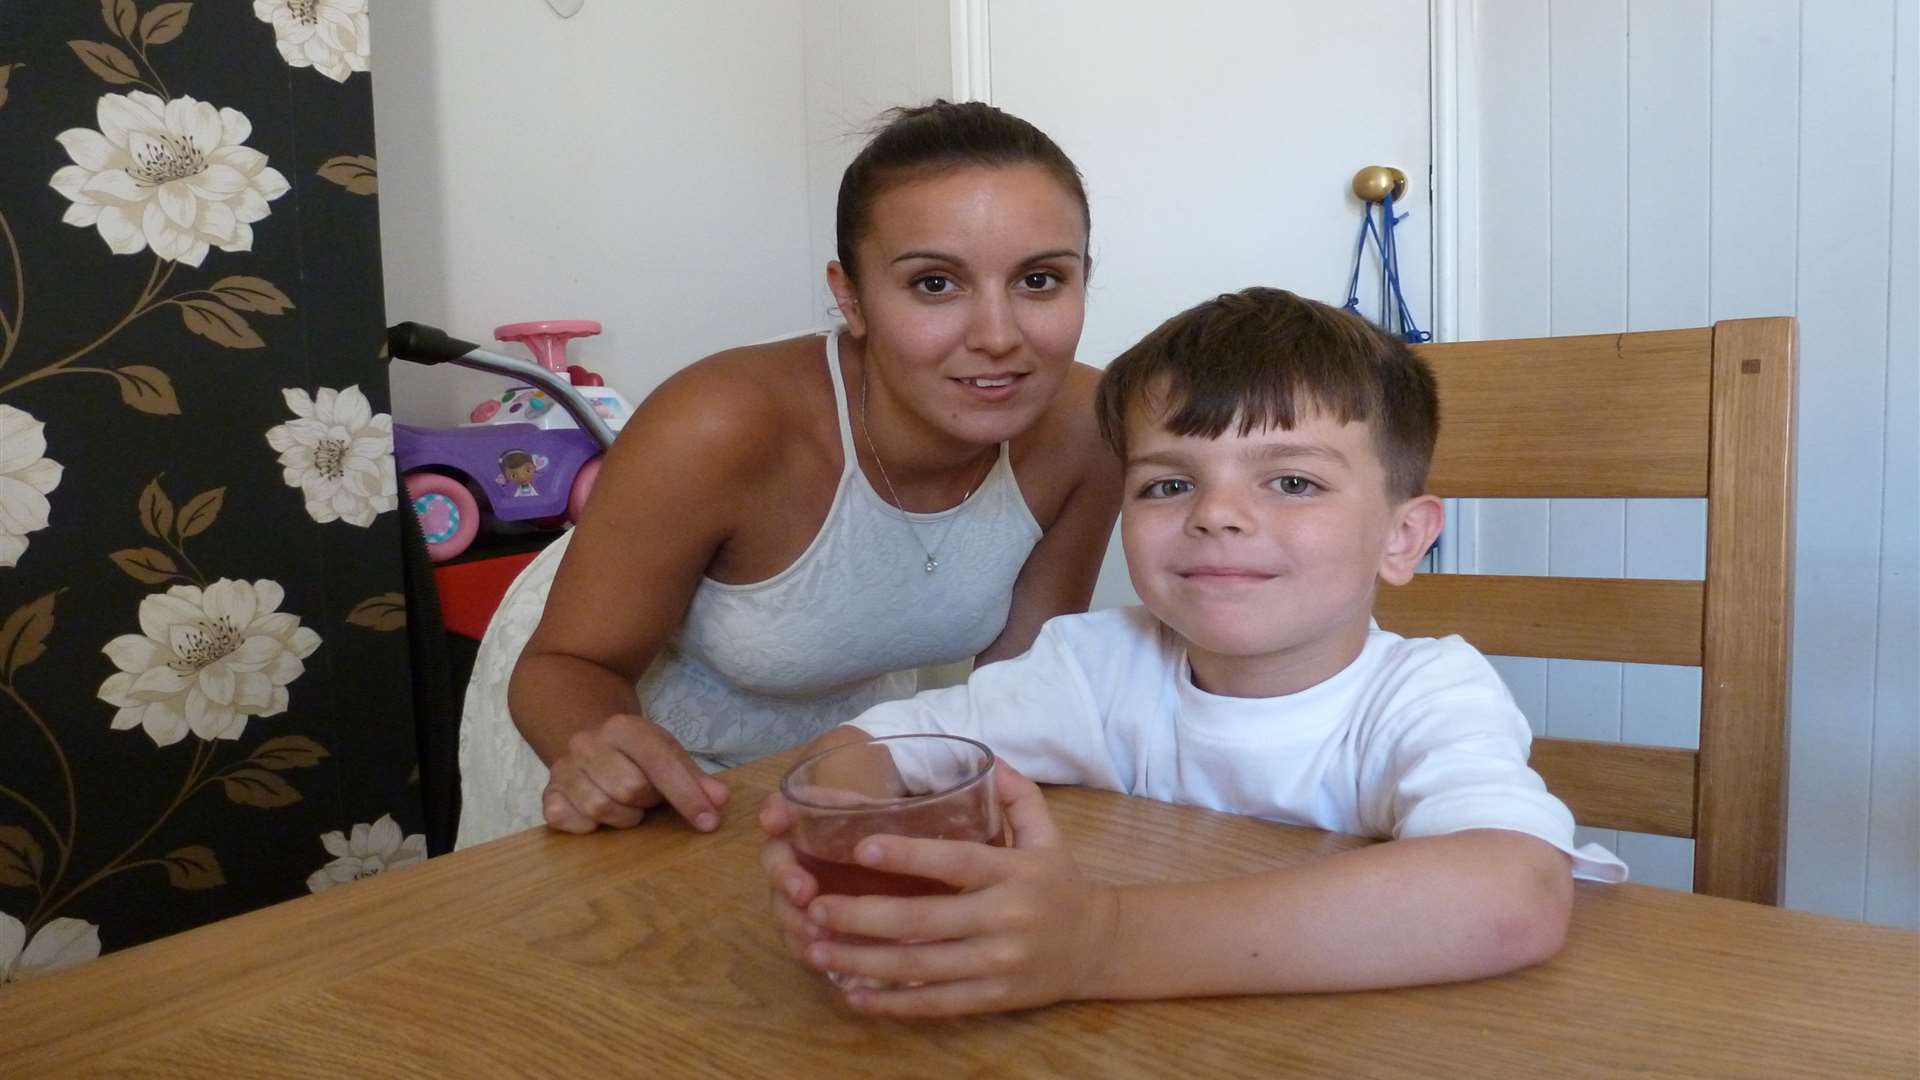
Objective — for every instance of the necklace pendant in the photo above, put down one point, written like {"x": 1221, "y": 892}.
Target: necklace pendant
{"x": 932, "y": 564}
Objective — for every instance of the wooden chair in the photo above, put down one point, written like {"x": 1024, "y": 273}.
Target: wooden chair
{"x": 1681, "y": 413}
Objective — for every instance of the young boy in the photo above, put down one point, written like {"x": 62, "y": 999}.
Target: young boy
{"x": 1276, "y": 451}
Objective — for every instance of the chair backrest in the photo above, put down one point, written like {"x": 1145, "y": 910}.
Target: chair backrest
{"x": 1704, "y": 413}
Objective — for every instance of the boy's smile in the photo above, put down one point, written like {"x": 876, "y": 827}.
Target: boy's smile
{"x": 1263, "y": 550}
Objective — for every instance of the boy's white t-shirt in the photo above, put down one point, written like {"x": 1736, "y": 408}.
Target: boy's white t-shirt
{"x": 1417, "y": 737}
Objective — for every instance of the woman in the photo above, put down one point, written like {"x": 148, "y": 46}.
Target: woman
{"x": 783, "y": 532}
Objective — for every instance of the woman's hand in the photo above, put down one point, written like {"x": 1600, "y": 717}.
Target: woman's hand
{"x": 1028, "y": 928}
{"x": 614, "y": 773}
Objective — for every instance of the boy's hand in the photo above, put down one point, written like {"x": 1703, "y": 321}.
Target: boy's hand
{"x": 790, "y": 888}
{"x": 1028, "y": 929}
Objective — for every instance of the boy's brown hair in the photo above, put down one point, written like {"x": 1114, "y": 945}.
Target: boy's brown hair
{"x": 1264, "y": 357}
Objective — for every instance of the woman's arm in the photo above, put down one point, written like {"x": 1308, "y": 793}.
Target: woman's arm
{"x": 666, "y": 502}
{"x": 1059, "y": 575}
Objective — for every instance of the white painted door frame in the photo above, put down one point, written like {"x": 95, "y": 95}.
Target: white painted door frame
{"x": 970, "y": 34}
{"x": 1455, "y": 224}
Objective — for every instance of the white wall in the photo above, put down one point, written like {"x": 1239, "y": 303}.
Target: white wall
{"x": 861, "y": 58}
{"x": 642, "y": 164}
{"x": 1639, "y": 164}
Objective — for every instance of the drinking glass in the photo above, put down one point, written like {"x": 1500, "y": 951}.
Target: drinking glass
{"x": 924, "y": 786}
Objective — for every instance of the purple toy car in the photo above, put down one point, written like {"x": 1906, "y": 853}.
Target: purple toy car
{"x": 521, "y": 459}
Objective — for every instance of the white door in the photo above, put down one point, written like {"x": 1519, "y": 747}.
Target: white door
{"x": 1219, "y": 142}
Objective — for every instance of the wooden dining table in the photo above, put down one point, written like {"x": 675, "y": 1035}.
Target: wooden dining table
{"x": 650, "y": 952}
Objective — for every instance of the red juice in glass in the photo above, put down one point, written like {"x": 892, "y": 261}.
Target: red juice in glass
{"x": 923, "y": 786}
{"x": 826, "y": 850}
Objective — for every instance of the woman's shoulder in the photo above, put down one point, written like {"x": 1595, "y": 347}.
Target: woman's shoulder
{"x": 1068, "y": 423}
{"x": 739, "y": 412}
{"x": 1073, "y": 406}
{"x": 1063, "y": 450}
{"x": 755, "y": 375}
{"x": 752, "y": 392}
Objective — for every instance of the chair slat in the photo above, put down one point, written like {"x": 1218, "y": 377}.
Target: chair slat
{"x": 1540, "y": 418}
{"x": 1646, "y": 789}
{"x": 1633, "y": 620}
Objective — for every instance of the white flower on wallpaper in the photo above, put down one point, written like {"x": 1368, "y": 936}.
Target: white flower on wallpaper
{"x": 61, "y": 943}
{"x": 339, "y": 453}
{"x": 206, "y": 661}
{"x": 329, "y": 36}
{"x": 26, "y": 476}
{"x": 372, "y": 849}
{"x": 170, "y": 175}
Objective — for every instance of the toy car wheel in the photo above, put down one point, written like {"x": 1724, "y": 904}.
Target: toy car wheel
{"x": 449, "y": 515}
{"x": 582, "y": 487}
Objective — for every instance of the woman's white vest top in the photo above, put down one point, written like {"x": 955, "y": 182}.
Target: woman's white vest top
{"x": 766, "y": 666}
{"x": 762, "y": 667}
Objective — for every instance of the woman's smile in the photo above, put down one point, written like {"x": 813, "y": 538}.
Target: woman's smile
{"x": 992, "y": 389}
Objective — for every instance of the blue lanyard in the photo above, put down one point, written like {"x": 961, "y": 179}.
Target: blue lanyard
{"x": 1394, "y": 314}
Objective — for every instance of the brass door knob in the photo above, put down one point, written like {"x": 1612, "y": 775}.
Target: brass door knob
{"x": 1375, "y": 182}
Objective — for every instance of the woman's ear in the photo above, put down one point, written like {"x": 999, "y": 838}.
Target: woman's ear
{"x": 1416, "y": 525}
{"x": 846, "y": 298}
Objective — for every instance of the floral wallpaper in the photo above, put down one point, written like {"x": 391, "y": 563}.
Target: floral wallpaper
{"x": 204, "y": 683}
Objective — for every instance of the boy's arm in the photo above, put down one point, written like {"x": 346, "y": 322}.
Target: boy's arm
{"x": 1409, "y": 912}
{"x": 1477, "y": 884}
{"x": 1036, "y": 712}
{"x": 832, "y": 737}
{"x": 1030, "y": 930}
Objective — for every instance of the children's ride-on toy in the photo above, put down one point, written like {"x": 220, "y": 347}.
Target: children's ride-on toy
{"x": 520, "y": 458}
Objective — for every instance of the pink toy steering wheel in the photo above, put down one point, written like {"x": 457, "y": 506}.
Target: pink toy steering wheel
{"x": 548, "y": 339}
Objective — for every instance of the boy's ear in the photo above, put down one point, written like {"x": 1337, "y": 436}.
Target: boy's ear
{"x": 846, "y": 298}
{"x": 1416, "y": 525}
